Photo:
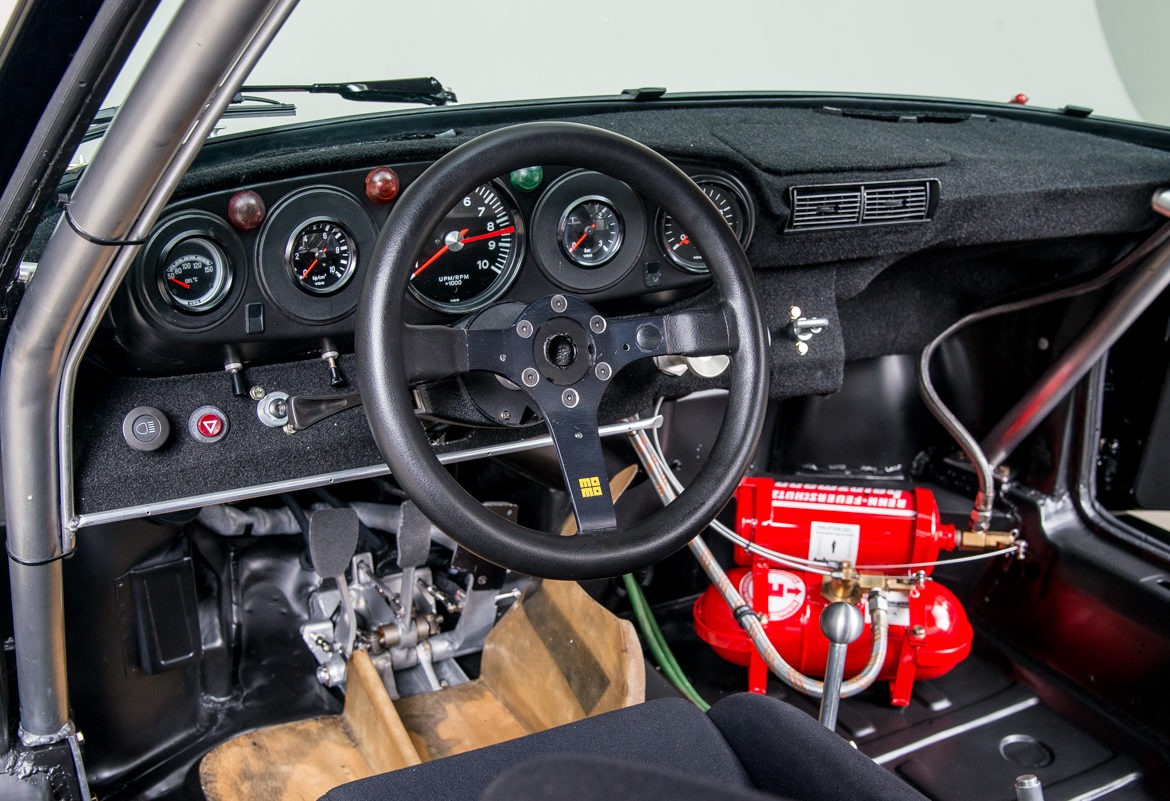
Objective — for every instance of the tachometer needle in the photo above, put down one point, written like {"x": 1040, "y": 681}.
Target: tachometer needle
{"x": 438, "y": 253}
{"x": 683, "y": 240}
{"x": 511, "y": 229}
{"x": 183, "y": 284}
{"x": 308, "y": 270}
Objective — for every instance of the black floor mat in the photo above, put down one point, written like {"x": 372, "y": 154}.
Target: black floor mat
{"x": 965, "y": 736}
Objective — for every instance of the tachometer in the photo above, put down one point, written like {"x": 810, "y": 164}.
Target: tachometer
{"x": 732, "y": 204}
{"x": 473, "y": 255}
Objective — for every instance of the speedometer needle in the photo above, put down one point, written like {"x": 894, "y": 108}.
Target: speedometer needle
{"x": 438, "y": 253}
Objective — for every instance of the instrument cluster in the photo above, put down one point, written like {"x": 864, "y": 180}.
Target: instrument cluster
{"x": 286, "y": 260}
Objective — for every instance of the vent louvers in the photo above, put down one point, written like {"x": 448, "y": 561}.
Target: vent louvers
{"x": 848, "y": 205}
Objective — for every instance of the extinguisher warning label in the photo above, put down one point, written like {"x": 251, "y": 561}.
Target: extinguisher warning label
{"x": 833, "y": 542}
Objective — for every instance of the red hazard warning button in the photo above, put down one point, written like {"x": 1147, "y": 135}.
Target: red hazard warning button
{"x": 207, "y": 424}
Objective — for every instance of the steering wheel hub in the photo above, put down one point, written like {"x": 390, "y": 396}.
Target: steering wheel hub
{"x": 561, "y": 349}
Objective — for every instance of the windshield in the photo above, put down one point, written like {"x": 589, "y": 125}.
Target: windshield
{"x": 1092, "y": 53}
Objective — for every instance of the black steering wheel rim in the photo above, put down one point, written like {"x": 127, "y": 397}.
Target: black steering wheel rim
{"x": 385, "y": 384}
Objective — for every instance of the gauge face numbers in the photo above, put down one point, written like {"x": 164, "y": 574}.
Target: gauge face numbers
{"x": 590, "y": 232}
{"x": 679, "y": 247}
{"x": 195, "y": 275}
{"x": 472, "y": 257}
{"x": 322, "y": 257}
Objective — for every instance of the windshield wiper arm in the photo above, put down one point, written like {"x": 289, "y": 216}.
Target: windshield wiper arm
{"x": 427, "y": 91}
{"x": 241, "y": 106}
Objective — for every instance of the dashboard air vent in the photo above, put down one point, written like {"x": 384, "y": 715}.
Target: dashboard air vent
{"x": 849, "y": 205}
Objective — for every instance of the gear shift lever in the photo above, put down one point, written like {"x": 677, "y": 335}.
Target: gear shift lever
{"x": 842, "y": 624}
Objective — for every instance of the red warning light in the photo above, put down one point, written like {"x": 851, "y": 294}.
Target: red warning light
{"x": 1019, "y": 100}
{"x": 381, "y": 185}
{"x": 246, "y": 210}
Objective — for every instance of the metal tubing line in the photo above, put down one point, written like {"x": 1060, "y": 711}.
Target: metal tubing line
{"x": 191, "y": 145}
{"x": 985, "y": 499}
{"x": 110, "y": 197}
{"x": 1089, "y": 347}
{"x": 341, "y": 476}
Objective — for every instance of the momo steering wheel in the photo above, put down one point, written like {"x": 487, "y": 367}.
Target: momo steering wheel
{"x": 564, "y": 354}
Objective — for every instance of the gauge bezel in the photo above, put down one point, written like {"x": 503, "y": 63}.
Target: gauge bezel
{"x": 562, "y": 195}
{"x": 350, "y": 269}
{"x": 504, "y": 280}
{"x": 736, "y": 187}
{"x": 617, "y": 246}
{"x": 288, "y": 217}
{"x": 153, "y": 300}
{"x": 219, "y": 292}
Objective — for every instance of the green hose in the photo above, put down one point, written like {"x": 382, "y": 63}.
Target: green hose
{"x": 657, "y": 644}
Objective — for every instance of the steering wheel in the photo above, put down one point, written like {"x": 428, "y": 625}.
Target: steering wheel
{"x": 563, "y": 353}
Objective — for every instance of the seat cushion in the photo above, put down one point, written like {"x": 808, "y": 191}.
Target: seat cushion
{"x": 787, "y": 753}
{"x": 589, "y": 778}
{"x": 667, "y": 733}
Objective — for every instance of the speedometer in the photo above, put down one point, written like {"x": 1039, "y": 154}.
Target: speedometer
{"x": 472, "y": 257}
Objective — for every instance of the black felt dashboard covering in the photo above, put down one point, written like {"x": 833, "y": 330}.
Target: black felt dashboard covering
{"x": 1007, "y": 187}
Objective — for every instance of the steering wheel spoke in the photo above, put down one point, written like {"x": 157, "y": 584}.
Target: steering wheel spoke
{"x": 578, "y": 447}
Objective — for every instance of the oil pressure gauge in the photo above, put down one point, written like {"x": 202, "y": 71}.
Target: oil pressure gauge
{"x": 322, "y": 257}
{"x": 590, "y": 232}
{"x": 195, "y": 275}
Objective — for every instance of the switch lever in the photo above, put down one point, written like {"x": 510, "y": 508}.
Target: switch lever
{"x": 305, "y": 410}
{"x": 842, "y": 623}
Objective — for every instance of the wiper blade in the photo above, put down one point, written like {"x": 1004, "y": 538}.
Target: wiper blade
{"x": 241, "y": 106}
{"x": 427, "y": 91}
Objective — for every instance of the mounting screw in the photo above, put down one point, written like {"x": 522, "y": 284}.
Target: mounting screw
{"x": 524, "y": 329}
{"x": 597, "y": 324}
{"x": 570, "y": 398}
{"x": 530, "y": 377}
{"x": 801, "y": 348}
{"x": 559, "y": 303}
{"x": 505, "y": 415}
{"x": 289, "y": 429}
{"x": 918, "y": 631}
{"x": 794, "y": 313}
{"x": 257, "y": 393}
{"x": 603, "y": 371}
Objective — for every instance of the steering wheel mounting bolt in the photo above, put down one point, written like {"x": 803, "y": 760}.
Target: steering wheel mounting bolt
{"x": 530, "y": 377}
{"x": 524, "y": 329}
{"x": 603, "y": 371}
{"x": 570, "y": 398}
{"x": 559, "y": 303}
{"x": 597, "y": 324}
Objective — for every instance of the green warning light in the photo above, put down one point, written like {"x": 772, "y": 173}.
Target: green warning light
{"x": 527, "y": 178}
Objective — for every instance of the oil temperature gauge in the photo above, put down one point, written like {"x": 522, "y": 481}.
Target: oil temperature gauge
{"x": 195, "y": 275}
{"x": 322, "y": 257}
{"x": 590, "y": 232}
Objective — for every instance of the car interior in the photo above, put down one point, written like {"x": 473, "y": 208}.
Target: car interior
{"x": 726, "y": 445}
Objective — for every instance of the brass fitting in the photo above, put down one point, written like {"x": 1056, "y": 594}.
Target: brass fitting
{"x": 848, "y": 585}
{"x": 985, "y": 540}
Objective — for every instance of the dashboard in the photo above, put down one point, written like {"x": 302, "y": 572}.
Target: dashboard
{"x": 882, "y": 227}
{"x": 237, "y": 276}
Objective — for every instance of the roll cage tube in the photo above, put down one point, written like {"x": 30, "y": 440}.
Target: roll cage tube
{"x": 204, "y": 56}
